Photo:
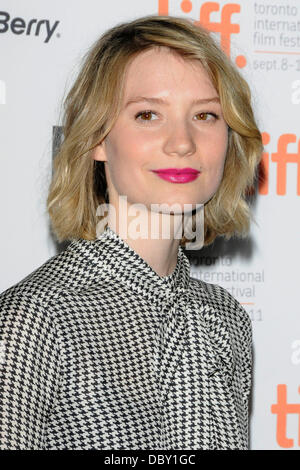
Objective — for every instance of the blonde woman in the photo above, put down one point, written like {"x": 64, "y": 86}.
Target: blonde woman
{"x": 111, "y": 344}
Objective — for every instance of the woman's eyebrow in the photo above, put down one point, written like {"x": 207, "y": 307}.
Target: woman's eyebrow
{"x": 138, "y": 99}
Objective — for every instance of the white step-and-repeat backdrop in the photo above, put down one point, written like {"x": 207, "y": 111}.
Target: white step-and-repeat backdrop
{"x": 41, "y": 45}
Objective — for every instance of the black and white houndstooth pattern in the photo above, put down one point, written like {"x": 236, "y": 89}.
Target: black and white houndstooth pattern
{"x": 100, "y": 352}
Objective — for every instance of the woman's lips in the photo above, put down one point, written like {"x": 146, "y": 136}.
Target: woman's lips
{"x": 184, "y": 175}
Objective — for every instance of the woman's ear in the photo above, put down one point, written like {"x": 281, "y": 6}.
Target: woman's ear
{"x": 99, "y": 153}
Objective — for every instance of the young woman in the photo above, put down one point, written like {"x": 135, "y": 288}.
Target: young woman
{"x": 111, "y": 344}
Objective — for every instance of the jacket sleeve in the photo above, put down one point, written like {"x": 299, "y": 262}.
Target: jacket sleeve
{"x": 246, "y": 366}
{"x": 247, "y": 359}
{"x": 29, "y": 370}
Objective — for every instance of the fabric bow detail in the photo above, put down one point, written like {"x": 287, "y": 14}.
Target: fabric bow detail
{"x": 171, "y": 338}
{"x": 219, "y": 346}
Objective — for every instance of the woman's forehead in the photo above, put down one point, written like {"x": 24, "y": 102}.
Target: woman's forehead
{"x": 162, "y": 69}
{"x": 162, "y": 56}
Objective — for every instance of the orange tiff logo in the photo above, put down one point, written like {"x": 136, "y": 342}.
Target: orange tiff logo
{"x": 282, "y": 408}
{"x": 224, "y": 26}
{"x": 281, "y": 157}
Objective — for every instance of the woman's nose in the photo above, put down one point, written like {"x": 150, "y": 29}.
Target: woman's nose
{"x": 179, "y": 140}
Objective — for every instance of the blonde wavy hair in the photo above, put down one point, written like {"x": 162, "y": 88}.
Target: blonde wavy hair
{"x": 93, "y": 103}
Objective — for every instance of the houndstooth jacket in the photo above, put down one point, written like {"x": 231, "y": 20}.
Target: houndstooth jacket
{"x": 100, "y": 352}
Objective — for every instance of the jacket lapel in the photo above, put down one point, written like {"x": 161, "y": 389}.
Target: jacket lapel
{"x": 172, "y": 339}
{"x": 219, "y": 378}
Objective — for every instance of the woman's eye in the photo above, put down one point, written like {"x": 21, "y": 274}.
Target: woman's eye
{"x": 203, "y": 116}
{"x": 147, "y": 115}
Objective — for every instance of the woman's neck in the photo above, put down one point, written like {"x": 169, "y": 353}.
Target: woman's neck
{"x": 154, "y": 236}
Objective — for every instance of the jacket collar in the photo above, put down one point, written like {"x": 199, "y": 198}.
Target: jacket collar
{"x": 126, "y": 265}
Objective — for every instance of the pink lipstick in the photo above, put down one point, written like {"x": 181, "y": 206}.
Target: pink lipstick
{"x": 177, "y": 175}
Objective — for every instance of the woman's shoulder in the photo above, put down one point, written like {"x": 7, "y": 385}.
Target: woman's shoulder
{"x": 63, "y": 272}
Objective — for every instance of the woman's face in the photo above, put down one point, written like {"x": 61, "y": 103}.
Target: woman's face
{"x": 161, "y": 126}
